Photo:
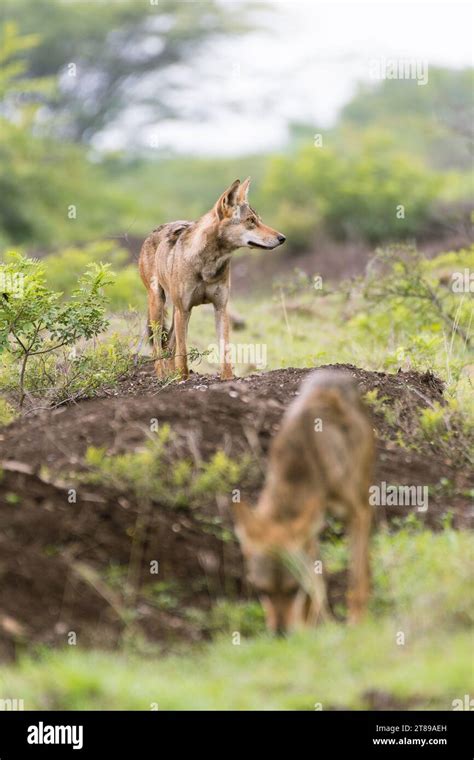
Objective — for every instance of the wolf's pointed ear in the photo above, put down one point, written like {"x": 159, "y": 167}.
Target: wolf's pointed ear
{"x": 247, "y": 523}
{"x": 244, "y": 191}
{"x": 224, "y": 206}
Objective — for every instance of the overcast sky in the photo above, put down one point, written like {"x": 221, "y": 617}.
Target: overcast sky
{"x": 302, "y": 66}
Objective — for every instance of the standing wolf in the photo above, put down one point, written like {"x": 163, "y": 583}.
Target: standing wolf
{"x": 189, "y": 262}
{"x": 320, "y": 460}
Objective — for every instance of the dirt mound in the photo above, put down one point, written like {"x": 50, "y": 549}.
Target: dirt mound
{"x": 75, "y": 566}
{"x": 215, "y": 414}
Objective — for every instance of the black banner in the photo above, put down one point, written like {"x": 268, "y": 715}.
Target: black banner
{"x": 373, "y": 734}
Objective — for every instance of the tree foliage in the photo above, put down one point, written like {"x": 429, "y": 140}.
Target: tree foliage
{"x": 122, "y": 54}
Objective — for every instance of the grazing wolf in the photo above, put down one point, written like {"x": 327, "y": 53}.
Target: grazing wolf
{"x": 320, "y": 460}
{"x": 189, "y": 262}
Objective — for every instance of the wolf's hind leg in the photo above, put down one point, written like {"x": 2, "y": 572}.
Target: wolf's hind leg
{"x": 156, "y": 315}
{"x": 359, "y": 568}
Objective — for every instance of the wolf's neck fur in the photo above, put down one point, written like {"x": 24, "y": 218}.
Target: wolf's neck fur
{"x": 290, "y": 485}
{"x": 209, "y": 242}
{"x": 210, "y": 255}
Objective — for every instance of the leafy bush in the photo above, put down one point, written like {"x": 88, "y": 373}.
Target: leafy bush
{"x": 62, "y": 270}
{"x": 148, "y": 474}
{"x": 353, "y": 195}
{"x": 407, "y": 304}
{"x": 34, "y": 322}
{"x": 70, "y": 374}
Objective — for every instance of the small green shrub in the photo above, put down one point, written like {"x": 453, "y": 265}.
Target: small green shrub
{"x": 150, "y": 476}
{"x": 63, "y": 269}
{"x": 403, "y": 307}
{"x": 7, "y": 412}
{"x": 34, "y": 322}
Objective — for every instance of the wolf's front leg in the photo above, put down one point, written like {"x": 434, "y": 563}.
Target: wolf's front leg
{"x": 222, "y": 329}
{"x": 181, "y": 319}
{"x": 316, "y": 607}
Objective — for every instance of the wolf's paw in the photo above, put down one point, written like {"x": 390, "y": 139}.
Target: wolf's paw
{"x": 160, "y": 368}
{"x": 182, "y": 372}
{"x": 227, "y": 374}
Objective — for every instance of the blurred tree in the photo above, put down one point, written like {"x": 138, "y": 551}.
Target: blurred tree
{"x": 49, "y": 191}
{"x": 112, "y": 57}
{"x": 354, "y": 195}
{"x": 14, "y": 66}
{"x": 436, "y": 120}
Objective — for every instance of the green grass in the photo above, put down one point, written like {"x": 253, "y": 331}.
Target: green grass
{"x": 299, "y": 339}
{"x": 311, "y": 330}
{"x": 333, "y": 666}
{"x": 407, "y": 318}
{"x": 422, "y": 583}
